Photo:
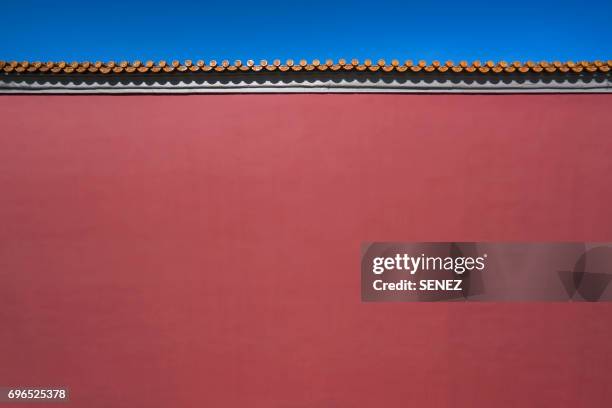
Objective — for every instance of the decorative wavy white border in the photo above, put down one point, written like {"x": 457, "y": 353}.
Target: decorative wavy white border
{"x": 335, "y": 82}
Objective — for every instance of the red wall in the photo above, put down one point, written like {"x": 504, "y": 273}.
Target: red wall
{"x": 203, "y": 251}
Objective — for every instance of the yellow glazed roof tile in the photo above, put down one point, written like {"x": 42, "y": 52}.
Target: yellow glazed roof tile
{"x": 138, "y": 67}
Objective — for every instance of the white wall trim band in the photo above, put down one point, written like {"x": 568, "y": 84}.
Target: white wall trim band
{"x": 339, "y": 82}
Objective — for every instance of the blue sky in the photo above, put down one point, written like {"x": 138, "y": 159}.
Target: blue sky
{"x": 129, "y": 30}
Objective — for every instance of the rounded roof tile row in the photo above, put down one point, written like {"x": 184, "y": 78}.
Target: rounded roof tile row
{"x": 62, "y": 67}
